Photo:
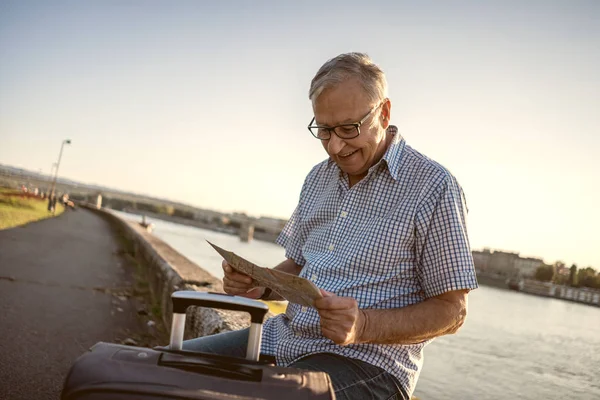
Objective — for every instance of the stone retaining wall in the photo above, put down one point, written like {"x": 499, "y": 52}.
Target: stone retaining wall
{"x": 168, "y": 271}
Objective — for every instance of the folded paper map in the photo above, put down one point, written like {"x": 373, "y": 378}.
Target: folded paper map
{"x": 291, "y": 287}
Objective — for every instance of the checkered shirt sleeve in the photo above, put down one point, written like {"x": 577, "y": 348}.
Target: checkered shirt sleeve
{"x": 445, "y": 261}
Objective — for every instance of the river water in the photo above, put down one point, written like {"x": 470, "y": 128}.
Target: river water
{"x": 513, "y": 345}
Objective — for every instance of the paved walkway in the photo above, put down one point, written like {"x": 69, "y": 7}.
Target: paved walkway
{"x": 54, "y": 303}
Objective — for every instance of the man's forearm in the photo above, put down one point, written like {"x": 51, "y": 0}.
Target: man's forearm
{"x": 288, "y": 266}
{"x": 434, "y": 317}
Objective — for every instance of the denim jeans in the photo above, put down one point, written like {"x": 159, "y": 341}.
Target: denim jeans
{"x": 352, "y": 379}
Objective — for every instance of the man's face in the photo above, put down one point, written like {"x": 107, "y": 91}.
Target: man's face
{"x": 347, "y": 103}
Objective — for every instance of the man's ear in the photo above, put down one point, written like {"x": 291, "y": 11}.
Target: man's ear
{"x": 385, "y": 114}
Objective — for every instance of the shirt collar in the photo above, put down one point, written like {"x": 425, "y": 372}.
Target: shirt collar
{"x": 393, "y": 154}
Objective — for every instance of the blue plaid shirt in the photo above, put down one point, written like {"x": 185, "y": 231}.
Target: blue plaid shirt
{"x": 394, "y": 239}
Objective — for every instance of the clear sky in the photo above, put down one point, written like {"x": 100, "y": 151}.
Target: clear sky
{"x": 205, "y": 102}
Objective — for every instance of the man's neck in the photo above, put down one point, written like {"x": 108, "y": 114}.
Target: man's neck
{"x": 354, "y": 179}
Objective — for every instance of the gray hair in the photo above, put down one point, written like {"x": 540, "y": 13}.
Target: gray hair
{"x": 347, "y": 66}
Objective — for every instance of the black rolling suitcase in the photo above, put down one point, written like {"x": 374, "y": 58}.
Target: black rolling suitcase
{"x": 117, "y": 372}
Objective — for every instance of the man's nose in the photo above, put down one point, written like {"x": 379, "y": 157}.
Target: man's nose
{"x": 335, "y": 144}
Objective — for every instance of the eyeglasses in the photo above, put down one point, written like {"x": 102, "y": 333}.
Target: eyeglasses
{"x": 343, "y": 131}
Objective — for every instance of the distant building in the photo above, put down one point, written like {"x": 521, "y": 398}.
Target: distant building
{"x": 498, "y": 263}
{"x": 207, "y": 216}
{"x": 481, "y": 259}
{"x": 526, "y": 267}
{"x": 239, "y": 219}
{"x": 270, "y": 224}
{"x": 503, "y": 263}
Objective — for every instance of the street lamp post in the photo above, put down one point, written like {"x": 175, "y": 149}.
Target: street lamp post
{"x": 50, "y": 178}
{"x": 66, "y": 141}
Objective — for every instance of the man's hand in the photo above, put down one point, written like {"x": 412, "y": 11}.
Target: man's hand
{"x": 341, "y": 319}
{"x": 240, "y": 284}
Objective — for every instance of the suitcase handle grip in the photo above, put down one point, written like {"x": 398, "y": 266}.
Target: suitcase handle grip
{"x": 186, "y": 298}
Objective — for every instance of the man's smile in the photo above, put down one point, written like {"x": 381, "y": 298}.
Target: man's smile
{"x": 346, "y": 155}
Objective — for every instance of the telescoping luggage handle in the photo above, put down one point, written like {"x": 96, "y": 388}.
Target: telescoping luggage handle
{"x": 185, "y": 298}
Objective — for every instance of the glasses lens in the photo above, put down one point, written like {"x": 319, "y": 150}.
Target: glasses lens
{"x": 320, "y": 133}
{"x": 346, "y": 131}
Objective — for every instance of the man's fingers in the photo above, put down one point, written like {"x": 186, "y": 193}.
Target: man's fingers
{"x": 253, "y": 293}
{"x": 237, "y": 292}
{"x": 337, "y": 337}
{"x": 236, "y": 288}
{"x": 229, "y": 270}
{"x": 335, "y": 303}
{"x": 231, "y": 274}
{"x": 334, "y": 316}
{"x": 226, "y": 267}
{"x": 239, "y": 278}
{"x": 237, "y": 283}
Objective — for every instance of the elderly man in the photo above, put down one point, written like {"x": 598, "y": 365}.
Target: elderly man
{"x": 380, "y": 228}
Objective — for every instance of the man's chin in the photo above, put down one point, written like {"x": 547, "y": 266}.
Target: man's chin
{"x": 346, "y": 169}
{"x": 351, "y": 171}
{"x": 351, "y": 168}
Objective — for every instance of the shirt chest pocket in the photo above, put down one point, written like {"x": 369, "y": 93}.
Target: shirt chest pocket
{"x": 384, "y": 242}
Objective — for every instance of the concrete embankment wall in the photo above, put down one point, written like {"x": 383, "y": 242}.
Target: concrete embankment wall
{"x": 167, "y": 271}
{"x": 547, "y": 289}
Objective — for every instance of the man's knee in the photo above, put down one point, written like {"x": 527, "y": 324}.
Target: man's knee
{"x": 351, "y": 378}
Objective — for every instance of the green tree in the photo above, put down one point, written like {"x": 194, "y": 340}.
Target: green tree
{"x": 545, "y": 273}
{"x": 587, "y": 277}
{"x": 559, "y": 276}
{"x": 183, "y": 214}
{"x": 159, "y": 209}
{"x": 573, "y": 276}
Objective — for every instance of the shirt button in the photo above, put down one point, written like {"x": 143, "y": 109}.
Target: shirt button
{"x": 330, "y": 247}
{"x": 313, "y": 277}
{"x": 303, "y": 309}
{"x": 343, "y": 214}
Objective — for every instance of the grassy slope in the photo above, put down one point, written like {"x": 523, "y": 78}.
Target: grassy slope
{"x": 15, "y": 211}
